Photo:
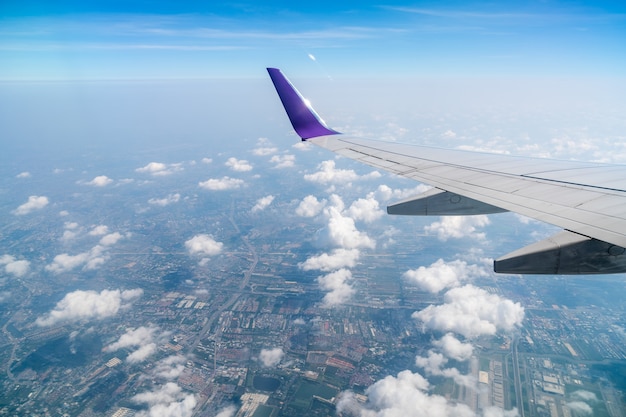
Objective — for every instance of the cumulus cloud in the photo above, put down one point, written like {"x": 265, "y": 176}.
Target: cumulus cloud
{"x": 303, "y": 145}
{"x": 385, "y": 193}
{"x": 454, "y": 348}
{"x": 339, "y": 258}
{"x": 262, "y": 203}
{"x": 203, "y": 245}
{"x": 342, "y": 231}
{"x": 91, "y": 259}
{"x": 66, "y": 262}
{"x": 404, "y": 395}
{"x": 471, "y": 312}
{"x": 328, "y": 174}
{"x": 217, "y": 184}
{"x": 143, "y": 353}
{"x": 170, "y": 367}
{"x": 99, "y": 230}
{"x": 142, "y": 338}
{"x": 34, "y": 202}
{"x": 166, "y": 201}
{"x": 441, "y": 275}
{"x": 583, "y": 395}
{"x": 338, "y": 286}
{"x": 111, "y": 239}
{"x": 228, "y": 411}
{"x": 24, "y": 174}
{"x": 100, "y": 181}
{"x": 365, "y": 209}
{"x": 239, "y": 165}
{"x": 310, "y": 206}
{"x": 433, "y": 365}
{"x": 168, "y": 400}
{"x": 207, "y": 160}
{"x": 159, "y": 169}
{"x": 580, "y": 408}
{"x": 89, "y": 305}
{"x": 271, "y": 357}
{"x": 457, "y": 227}
{"x": 265, "y": 151}
{"x": 283, "y": 161}
{"x": 18, "y": 268}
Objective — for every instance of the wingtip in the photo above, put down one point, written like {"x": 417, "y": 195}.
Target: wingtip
{"x": 303, "y": 117}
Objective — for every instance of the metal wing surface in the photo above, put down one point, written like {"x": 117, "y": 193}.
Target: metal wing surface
{"x": 587, "y": 200}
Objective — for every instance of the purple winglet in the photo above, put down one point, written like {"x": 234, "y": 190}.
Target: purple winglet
{"x": 304, "y": 120}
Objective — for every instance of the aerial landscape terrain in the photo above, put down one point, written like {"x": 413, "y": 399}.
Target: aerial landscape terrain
{"x": 170, "y": 248}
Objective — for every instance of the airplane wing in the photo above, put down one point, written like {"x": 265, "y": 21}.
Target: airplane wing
{"x": 587, "y": 200}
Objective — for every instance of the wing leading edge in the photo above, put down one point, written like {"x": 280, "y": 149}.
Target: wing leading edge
{"x": 587, "y": 200}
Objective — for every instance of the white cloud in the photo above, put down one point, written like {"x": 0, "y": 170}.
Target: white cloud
{"x": 100, "y": 181}
{"x": 441, "y": 275}
{"x": 303, "y": 145}
{"x": 385, "y": 193}
{"x": 262, "y": 203}
{"x": 159, "y": 169}
{"x": 207, "y": 160}
{"x": 271, "y": 357}
{"x": 449, "y": 134}
{"x": 143, "y": 353}
{"x": 338, "y": 285}
{"x": 404, "y": 395}
{"x": 170, "y": 367}
{"x": 168, "y": 400}
{"x": 310, "y": 206}
{"x": 239, "y": 165}
{"x": 66, "y": 262}
{"x": 453, "y": 348}
{"x": 69, "y": 234}
{"x": 265, "y": 151}
{"x": 99, "y": 230}
{"x": 88, "y": 305}
{"x": 283, "y": 161}
{"x": 583, "y": 395}
{"x": 433, "y": 365}
{"x": 457, "y": 227}
{"x": 91, "y": 259}
{"x": 365, "y": 209}
{"x": 580, "y": 408}
{"x": 339, "y": 258}
{"x": 225, "y": 183}
{"x": 471, "y": 312}
{"x": 493, "y": 411}
{"x": 133, "y": 337}
{"x": 142, "y": 338}
{"x": 13, "y": 266}
{"x": 203, "y": 245}
{"x": 228, "y": 411}
{"x": 34, "y": 203}
{"x": 24, "y": 174}
{"x": 328, "y": 174}
{"x": 342, "y": 232}
{"x": 111, "y": 239}
{"x": 170, "y": 199}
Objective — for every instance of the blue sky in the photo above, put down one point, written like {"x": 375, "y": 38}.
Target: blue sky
{"x": 168, "y": 39}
